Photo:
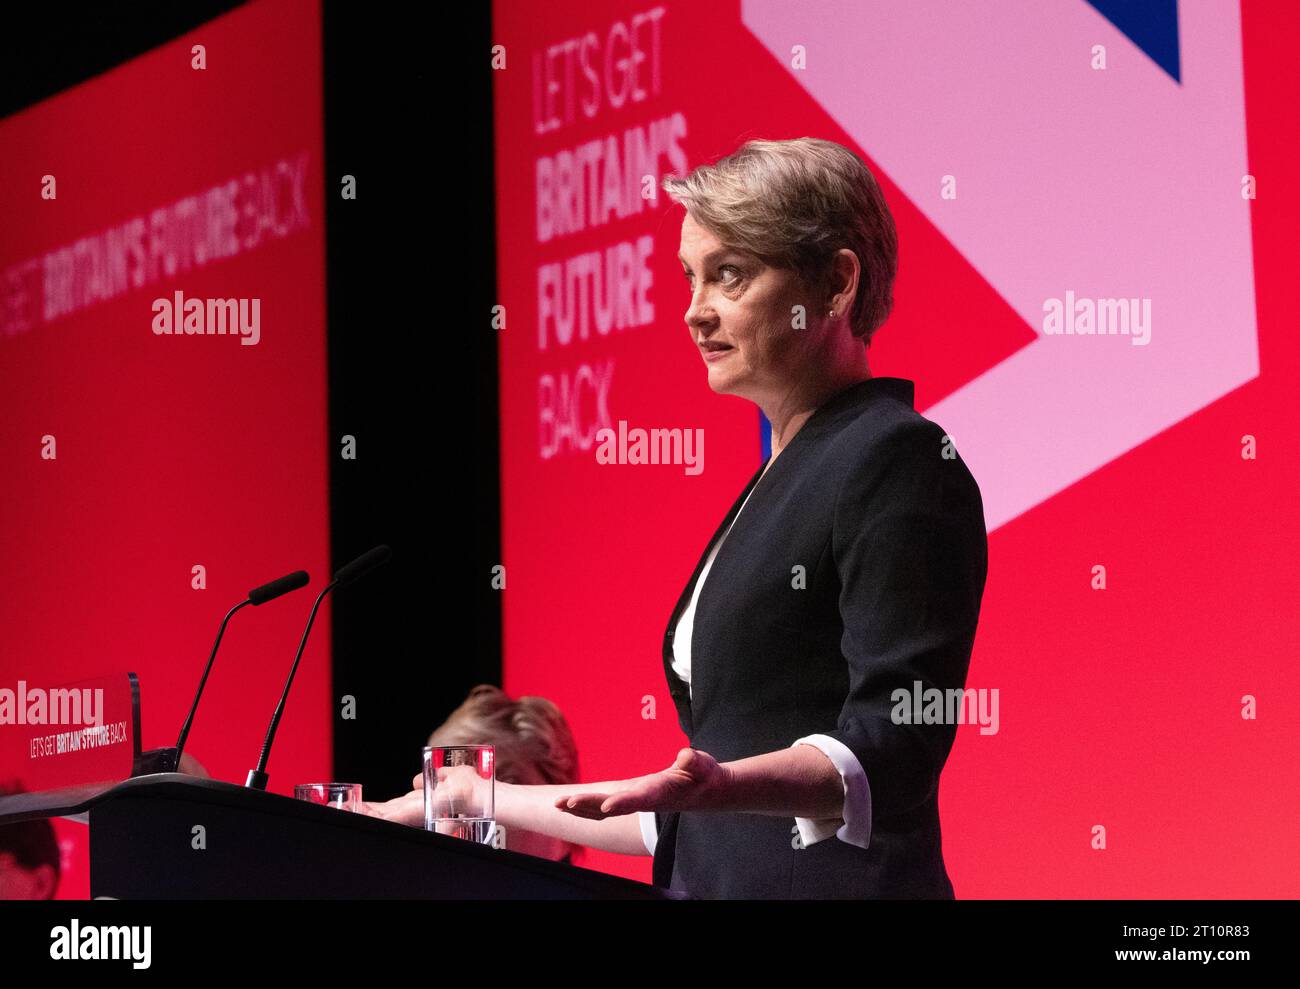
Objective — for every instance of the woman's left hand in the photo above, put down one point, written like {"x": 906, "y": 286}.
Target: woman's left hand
{"x": 691, "y": 783}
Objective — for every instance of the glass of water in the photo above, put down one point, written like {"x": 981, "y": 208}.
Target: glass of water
{"x": 344, "y": 796}
{"x": 459, "y": 791}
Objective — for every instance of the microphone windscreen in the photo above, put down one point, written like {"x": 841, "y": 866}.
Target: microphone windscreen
{"x": 271, "y": 591}
{"x": 363, "y": 563}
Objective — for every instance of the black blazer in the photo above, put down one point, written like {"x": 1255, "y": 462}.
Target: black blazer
{"x": 890, "y": 533}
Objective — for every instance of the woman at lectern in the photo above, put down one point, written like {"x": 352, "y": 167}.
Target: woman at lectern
{"x": 842, "y": 586}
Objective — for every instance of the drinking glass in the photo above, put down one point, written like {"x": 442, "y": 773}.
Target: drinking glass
{"x": 459, "y": 791}
{"x": 344, "y": 796}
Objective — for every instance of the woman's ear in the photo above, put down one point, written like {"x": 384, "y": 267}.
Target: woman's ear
{"x": 844, "y": 278}
{"x": 47, "y": 882}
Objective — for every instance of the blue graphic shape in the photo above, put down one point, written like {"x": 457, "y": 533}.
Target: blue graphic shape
{"x": 1152, "y": 25}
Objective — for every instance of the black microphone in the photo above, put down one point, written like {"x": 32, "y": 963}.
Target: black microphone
{"x": 363, "y": 564}
{"x": 258, "y": 595}
{"x": 271, "y": 591}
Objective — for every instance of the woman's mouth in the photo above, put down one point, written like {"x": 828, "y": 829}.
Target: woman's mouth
{"x": 715, "y": 351}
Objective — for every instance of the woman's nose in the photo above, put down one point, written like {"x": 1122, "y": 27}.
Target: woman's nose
{"x": 698, "y": 312}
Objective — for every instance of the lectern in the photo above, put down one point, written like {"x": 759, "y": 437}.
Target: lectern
{"x": 172, "y": 836}
{"x": 157, "y": 834}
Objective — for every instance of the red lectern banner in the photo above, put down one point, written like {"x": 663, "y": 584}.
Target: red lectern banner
{"x": 77, "y": 733}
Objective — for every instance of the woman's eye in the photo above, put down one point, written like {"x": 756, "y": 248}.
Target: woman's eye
{"x": 726, "y": 270}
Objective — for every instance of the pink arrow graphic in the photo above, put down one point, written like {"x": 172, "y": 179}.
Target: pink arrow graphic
{"x": 1108, "y": 184}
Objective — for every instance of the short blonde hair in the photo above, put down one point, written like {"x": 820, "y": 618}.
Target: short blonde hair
{"x": 794, "y": 204}
{"x": 529, "y": 735}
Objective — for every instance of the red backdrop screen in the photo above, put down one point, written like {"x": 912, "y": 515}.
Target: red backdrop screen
{"x": 1031, "y": 156}
{"x": 132, "y": 457}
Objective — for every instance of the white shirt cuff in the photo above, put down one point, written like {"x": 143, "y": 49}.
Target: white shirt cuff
{"x": 649, "y": 834}
{"x": 854, "y": 824}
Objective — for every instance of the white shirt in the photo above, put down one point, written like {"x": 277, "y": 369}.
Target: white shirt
{"x": 854, "y": 824}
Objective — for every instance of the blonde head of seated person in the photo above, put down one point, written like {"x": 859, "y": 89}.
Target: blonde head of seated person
{"x": 533, "y": 745}
{"x": 192, "y": 767}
